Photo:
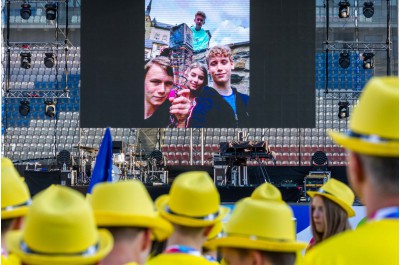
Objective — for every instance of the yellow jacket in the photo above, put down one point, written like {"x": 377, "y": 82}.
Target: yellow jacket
{"x": 10, "y": 260}
{"x": 178, "y": 259}
{"x": 376, "y": 242}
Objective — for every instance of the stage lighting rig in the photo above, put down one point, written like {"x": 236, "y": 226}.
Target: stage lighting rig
{"x": 26, "y": 60}
{"x": 49, "y": 59}
{"x": 344, "y": 60}
{"x": 25, "y": 11}
{"x": 344, "y": 9}
{"x": 368, "y": 9}
{"x": 24, "y": 108}
{"x": 368, "y": 62}
{"x": 51, "y": 11}
{"x": 343, "y": 109}
{"x": 50, "y": 109}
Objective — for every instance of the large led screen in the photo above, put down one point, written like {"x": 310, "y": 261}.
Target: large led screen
{"x": 198, "y": 64}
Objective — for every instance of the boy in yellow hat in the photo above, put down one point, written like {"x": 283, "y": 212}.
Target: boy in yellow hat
{"x": 15, "y": 200}
{"x": 125, "y": 209}
{"x": 260, "y": 231}
{"x": 193, "y": 207}
{"x": 373, "y": 171}
{"x": 330, "y": 210}
{"x": 59, "y": 229}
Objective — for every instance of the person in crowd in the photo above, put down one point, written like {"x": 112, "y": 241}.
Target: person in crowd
{"x": 221, "y": 100}
{"x": 59, "y": 229}
{"x": 372, "y": 143}
{"x": 193, "y": 207}
{"x": 158, "y": 83}
{"x": 201, "y": 38}
{"x": 125, "y": 209}
{"x": 330, "y": 210}
{"x": 260, "y": 231}
{"x": 15, "y": 200}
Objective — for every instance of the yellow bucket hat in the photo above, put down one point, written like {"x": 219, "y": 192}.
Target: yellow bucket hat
{"x": 192, "y": 201}
{"x": 15, "y": 196}
{"x": 60, "y": 229}
{"x": 127, "y": 203}
{"x": 374, "y": 123}
{"x": 262, "y": 222}
{"x": 339, "y": 193}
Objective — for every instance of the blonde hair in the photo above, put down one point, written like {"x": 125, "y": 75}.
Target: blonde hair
{"x": 219, "y": 50}
{"x": 336, "y": 221}
{"x": 202, "y": 68}
{"x": 161, "y": 61}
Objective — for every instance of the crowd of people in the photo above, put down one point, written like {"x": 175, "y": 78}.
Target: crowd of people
{"x": 120, "y": 224}
{"x": 197, "y": 105}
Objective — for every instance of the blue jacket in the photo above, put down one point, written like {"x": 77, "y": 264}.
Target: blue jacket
{"x": 212, "y": 111}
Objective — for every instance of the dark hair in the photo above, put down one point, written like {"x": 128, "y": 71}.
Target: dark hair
{"x": 336, "y": 220}
{"x": 124, "y": 232}
{"x": 6, "y": 224}
{"x": 200, "y": 13}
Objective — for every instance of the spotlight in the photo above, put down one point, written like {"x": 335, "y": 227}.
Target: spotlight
{"x": 368, "y": 9}
{"x": 50, "y": 109}
{"x": 49, "y": 59}
{"x": 25, "y": 11}
{"x": 368, "y": 62}
{"x": 24, "y": 108}
{"x": 344, "y": 9}
{"x": 343, "y": 109}
{"x": 344, "y": 60}
{"x": 25, "y": 60}
{"x": 51, "y": 11}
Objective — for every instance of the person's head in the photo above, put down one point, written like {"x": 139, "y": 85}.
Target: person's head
{"x": 15, "y": 197}
{"x": 220, "y": 64}
{"x": 197, "y": 76}
{"x": 260, "y": 230}
{"x": 330, "y": 209}
{"x": 199, "y": 19}
{"x": 158, "y": 82}
{"x": 192, "y": 217}
{"x": 241, "y": 256}
{"x": 126, "y": 209}
{"x": 373, "y": 142}
{"x": 59, "y": 229}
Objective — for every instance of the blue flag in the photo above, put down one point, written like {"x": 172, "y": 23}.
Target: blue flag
{"x": 103, "y": 168}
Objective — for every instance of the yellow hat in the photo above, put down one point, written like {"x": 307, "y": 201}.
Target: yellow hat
{"x": 262, "y": 222}
{"x": 127, "y": 203}
{"x": 15, "y": 196}
{"x": 374, "y": 123}
{"x": 339, "y": 193}
{"x": 192, "y": 201}
{"x": 59, "y": 229}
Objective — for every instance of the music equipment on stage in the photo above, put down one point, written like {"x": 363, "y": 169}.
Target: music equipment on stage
{"x": 235, "y": 154}
{"x": 119, "y": 147}
{"x": 245, "y": 149}
{"x": 314, "y": 181}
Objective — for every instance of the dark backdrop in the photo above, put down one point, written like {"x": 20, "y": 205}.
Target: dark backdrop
{"x": 282, "y": 64}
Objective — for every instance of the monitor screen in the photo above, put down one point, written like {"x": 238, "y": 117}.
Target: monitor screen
{"x": 198, "y": 64}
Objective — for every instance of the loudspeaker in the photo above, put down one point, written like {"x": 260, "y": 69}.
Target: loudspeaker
{"x": 220, "y": 175}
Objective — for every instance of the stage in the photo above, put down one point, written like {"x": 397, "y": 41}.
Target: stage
{"x": 289, "y": 180}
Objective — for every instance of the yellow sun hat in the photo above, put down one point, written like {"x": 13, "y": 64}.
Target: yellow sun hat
{"x": 60, "y": 229}
{"x": 193, "y": 201}
{"x": 128, "y": 203}
{"x": 15, "y": 196}
{"x": 262, "y": 222}
{"x": 339, "y": 193}
{"x": 374, "y": 123}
